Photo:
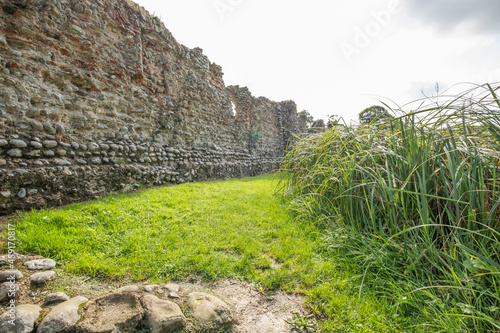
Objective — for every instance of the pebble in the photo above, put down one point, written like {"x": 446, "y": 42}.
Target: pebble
{"x": 60, "y": 129}
{"x": 10, "y": 275}
{"x": 3, "y": 142}
{"x": 56, "y": 298}
{"x": 150, "y": 288}
{"x": 127, "y": 289}
{"x": 40, "y": 264}
{"x": 21, "y": 171}
{"x": 7, "y": 288}
{"x": 22, "y": 193}
{"x": 15, "y": 152}
{"x": 92, "y": 146}
{"x": 96, "y": 160}
{"x": 49, "y": 128}
{"x": 61, "y": 152}
{"x": 50, "y": 143}
{"x": 34, "y": 153}
{"x": 17, "y": 143}
{"x": 42, "y": 277}
{"x": 79, "y": 8}
{"x": 61, "y": 162}
{"x": 36, "y": 144}
{"x": 173, "y": 294}
{"x": 36, "y": 125}
{"x": 16, "y": 52}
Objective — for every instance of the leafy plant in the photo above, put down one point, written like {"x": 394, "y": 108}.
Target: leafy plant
{"x": 302, "y": 323}
{"x": 255, "y": 135}
{"x": 418, "y": 202}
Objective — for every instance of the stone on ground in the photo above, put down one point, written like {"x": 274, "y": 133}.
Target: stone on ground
{"x": 40, "y": 264}
{"x": 7, "y": 289}
{"x": 171, "y": 290}
{"x": 172, "y": 287}
{"x": 127, "y": 289}
{"x": 63, "y": 317}
{"x": 150, "y": 288}
{"x": 10, "y": 275}
{"x": 162, "y": 316}
{"x": 209, "y": 309}
{"x": 55, "y": 298}
{"x": 42, "y": 277}
{"x": 116, "y": 312}
{"x": 22, "y": 321}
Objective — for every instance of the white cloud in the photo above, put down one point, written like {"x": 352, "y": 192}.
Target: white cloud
{"x": 478, "y": 16}
{"x": 291, "y": 49}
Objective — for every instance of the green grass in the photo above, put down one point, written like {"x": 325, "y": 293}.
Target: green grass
{"x": 412, "y": 206}
{"x": 227, "y": 229}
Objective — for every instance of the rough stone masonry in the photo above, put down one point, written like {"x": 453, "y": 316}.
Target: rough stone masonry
{"x": 98, "y": 97}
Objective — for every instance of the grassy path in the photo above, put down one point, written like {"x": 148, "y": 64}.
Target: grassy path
{"x": 228, "y": 229}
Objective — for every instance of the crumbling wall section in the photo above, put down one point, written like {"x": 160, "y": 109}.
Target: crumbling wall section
{"x": 98, "y": 97}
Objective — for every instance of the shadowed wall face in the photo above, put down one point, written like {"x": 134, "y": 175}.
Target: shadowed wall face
{"x": 97, "y": 96}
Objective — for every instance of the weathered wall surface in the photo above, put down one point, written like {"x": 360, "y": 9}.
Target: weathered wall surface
{"x": 97, "y": 97}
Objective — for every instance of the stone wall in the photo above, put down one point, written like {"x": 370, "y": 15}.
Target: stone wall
{"x": 98, "y": 97}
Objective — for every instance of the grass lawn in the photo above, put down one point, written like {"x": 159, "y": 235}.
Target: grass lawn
{"x": 214, "y": 230}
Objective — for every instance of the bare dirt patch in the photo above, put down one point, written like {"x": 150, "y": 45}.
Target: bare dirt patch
{"x": 253, "y": 311}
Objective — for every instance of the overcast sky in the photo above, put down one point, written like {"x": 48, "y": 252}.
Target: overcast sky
{"x": 341, "y": 56}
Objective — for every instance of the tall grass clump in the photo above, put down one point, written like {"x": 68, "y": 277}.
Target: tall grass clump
{"x": 412, "y": 206}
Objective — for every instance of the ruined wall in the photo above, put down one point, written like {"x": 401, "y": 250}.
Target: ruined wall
{"x": 98, "y": 97}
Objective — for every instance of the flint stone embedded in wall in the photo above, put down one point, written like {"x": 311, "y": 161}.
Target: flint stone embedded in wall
{"x": 130, "y": 106}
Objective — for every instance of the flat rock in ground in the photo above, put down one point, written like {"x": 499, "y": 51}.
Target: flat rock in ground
{"x": 63, "y": 317}
{"x": 42, "y": 277}
{"x": 171, "y": 287}
{"x": 7, "y": 288}
{"x": 10, "y": 275}
{"x": 22, "y": 321}
{"x": 127, "y": 289}
{"x": 162, "y": 316}
{"x": 116, "y": 312}
{"x": 40, "y": 264}
{"x": 55, "y": 298}
{"x": 254, "y": 311}
{"x": 173, "y": 294}
{"x": 150, "y": 288}
{"x": 171, "y": 290}
{"x": 209, "y": 309}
